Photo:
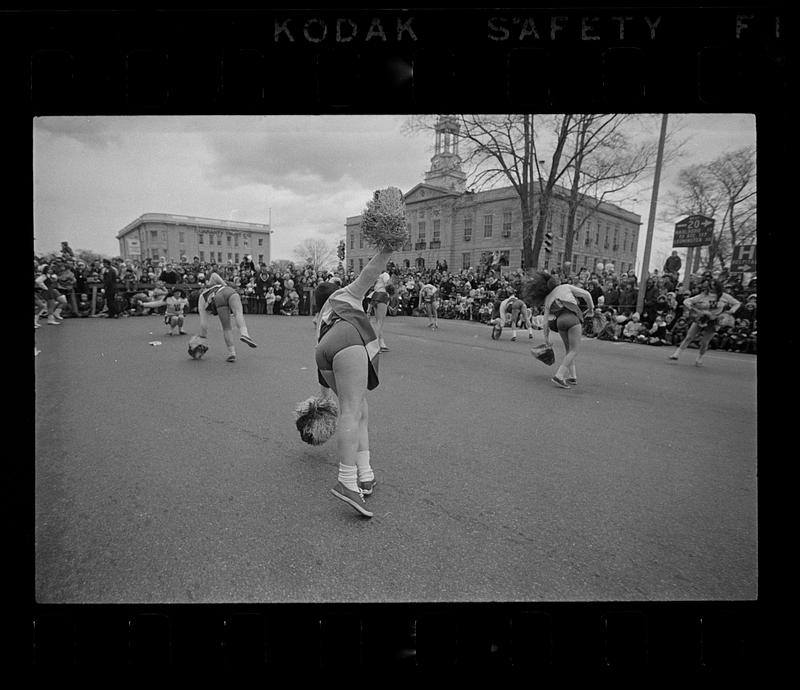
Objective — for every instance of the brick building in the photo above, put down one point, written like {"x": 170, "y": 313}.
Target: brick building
{"x": 464, "y": 228}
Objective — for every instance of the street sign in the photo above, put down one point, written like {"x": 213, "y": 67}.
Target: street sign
{"x": 744, "y": 258}
{"x": 694, "y": 231}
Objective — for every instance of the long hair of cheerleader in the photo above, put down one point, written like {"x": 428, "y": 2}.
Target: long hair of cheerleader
{"x": 537, "y": 287}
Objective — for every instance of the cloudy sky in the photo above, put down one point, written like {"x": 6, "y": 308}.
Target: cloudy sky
{"x": 94, "y": 175}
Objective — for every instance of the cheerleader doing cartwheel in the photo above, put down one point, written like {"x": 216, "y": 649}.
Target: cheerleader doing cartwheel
{"x": 563, "y": 314}
{"x": 222, "y": 300}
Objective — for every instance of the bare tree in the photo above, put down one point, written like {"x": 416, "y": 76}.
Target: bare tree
{"x": 607, "y": 160}
{"x": 726, "y": 186}
{"x": 591, "y": 154}
{"x": 317, "y": 253}
{"x": 735, "y": 176}
{"x": 501, "y": 148}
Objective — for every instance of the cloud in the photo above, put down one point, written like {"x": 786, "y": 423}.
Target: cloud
{"x": 302, "y": 153}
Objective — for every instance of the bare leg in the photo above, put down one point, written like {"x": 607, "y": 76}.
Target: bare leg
{"x": 708, "y": 334}
{"x": 380, "y": 316}
{"x": 691, "y": 334}
{"x": 203, "y": 314}
{"x": 572, "y": 341}
{"x": 235, "y": 304}
{"x": 350, "y": 376}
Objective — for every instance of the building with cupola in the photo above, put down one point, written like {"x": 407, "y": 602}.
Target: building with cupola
{"x": 450, "y": 223}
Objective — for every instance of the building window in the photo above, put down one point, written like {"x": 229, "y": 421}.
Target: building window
{"x": 154, "y": 234}
{"x": 560, "y": 257}
{"x": 352, "y": 240}
{"x": 236, "y": 240}
{"x": 361, "y": 241}
{"x": 351, "y": 264}
{"x": 487, "y": 225}
{"x": 219, "y": 240}
{"x": 605, "y": 240}
{"x": 201, "y": 239}
{"x": 561, "y": 224}
{"x": 154, "y": 254}
{"x": 465, "y": 256}
{"x": 202, "y": 255}
{"x": 181, "y": 238}
{"x": 436, "y": 230}
{"x": 547, "y": 262}
{"x": 597, "y": 235}
{"x": 246, "y": 240}
{"x": 261, "y": 258}
{"x": 361, "y": 264}
{"x": 574, "y": 260}
{"x": 507, "y": 224}
{"x": 549, "y": 221}
{"x": 421, "y": 231}
{"x": 260, "y": 241}
{"x": 505, "y": 257}
{"x": 219, "y": 257}
{"x": 230, "y": 256}
{"x": 467, "y": 228}
{"x": 236, "y": 257}
{"x": 625, "y": 242}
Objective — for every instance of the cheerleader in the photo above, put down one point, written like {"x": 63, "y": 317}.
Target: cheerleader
{"x": 176, "y": 304}
{"x": 222, "y": 300}
{"x": 47, "y": 285}
{"x": 705, "y": 308}
{"x": 428, "y": 296}
{"x": 347, "y": 355}
{"x": 561, "y": 313}
{"x": 379, "y": 305}
{"x": 517, "y": 308}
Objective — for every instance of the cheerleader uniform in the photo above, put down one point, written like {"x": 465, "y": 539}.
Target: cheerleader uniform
{"x": 342, "y": 323}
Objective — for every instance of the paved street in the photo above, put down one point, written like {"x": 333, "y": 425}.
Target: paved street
{"x": 160, "y": 479}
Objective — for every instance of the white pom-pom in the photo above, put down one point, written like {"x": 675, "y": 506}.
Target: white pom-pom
{"x": 316, "y": 419}
{"x": 383, "y": 221}
{"x": 198, "y": 346}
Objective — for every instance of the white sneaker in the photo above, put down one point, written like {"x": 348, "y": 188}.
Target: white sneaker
{"x": 53, "y": 322}
{"x": 59, "y": 317}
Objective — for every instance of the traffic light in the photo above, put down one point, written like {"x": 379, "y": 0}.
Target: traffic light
{"x": 548, "y": 242}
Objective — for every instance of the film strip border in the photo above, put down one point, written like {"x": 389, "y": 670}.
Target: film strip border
{"x": 655, "y": 59}
{"x": 558, "y": 637}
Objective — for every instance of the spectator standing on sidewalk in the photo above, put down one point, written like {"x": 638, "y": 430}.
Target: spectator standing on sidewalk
{"x": 110, "y": 287}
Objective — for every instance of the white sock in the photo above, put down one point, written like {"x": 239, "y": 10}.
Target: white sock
{"x": 348, "y": 475}
{"x": 232, "y": 350}
{"x": 514, "y": 333}
{"x": 365, "y": 473}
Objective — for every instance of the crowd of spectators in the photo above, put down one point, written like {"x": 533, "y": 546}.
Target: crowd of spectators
{"x": 468, "y": 294}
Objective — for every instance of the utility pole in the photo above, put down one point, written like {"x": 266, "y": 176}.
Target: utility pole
{"x": 652, "y": 218}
